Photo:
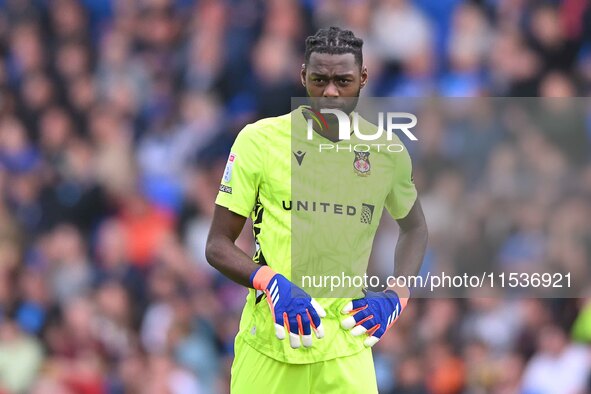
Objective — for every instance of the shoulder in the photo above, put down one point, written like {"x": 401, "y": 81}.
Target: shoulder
{"x": 261, "y": 135}
{"x": 263, "y": 131}
{"x": 266, "y": 125}
{"x": 273, "y": 122}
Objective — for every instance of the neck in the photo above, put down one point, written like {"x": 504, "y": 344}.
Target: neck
{"x": 331, "y": 132}
{"x": 326, "y": 126}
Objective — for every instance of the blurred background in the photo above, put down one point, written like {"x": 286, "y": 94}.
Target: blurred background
{"x": 116, "y": 117}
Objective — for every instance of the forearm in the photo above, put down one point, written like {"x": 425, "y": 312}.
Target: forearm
{"x": 410, "y": 250}
{"x": 230, "y": 260}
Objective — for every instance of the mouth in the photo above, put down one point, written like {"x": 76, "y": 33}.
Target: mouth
{"x": 332, "y": 104}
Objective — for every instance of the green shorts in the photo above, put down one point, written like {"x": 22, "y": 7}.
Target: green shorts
{"x": 253, "y": 372}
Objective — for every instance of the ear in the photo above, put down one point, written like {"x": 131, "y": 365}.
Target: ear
{"x": 363, "y": 76}
{"x": 303, "y": 74}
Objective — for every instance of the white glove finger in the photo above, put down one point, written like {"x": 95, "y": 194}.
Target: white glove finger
{"x": 348, "y": 322}
{"x": 307, "y": 340}
{"x": 347, "y": 308}
{"x": 370, "y": 341}
{"x": 319, "y": 331}
{"x": 279, "y": 331}
{"x": 294, "y": 340}
{"x": 319, "y": 309}
{"x": 358, "y": 330}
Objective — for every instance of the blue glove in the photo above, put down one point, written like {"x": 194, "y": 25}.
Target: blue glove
{"x": 373, "y": 315}
{"x": 292, "y": 308}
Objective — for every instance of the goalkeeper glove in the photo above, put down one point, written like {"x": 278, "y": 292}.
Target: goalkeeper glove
{"x": 292, "y": 308}
{"x": 374, "y": 314}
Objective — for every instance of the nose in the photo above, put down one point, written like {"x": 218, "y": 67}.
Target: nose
{"x": 331, "y": 90}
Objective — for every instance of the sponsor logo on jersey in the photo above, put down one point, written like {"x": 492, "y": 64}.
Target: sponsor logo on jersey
{"x": 366, "y": 211}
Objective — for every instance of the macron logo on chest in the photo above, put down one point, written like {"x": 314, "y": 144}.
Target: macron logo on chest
{"x": 299, "y": 155}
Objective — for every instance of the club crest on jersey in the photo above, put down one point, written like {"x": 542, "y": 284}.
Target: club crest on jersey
{"x": 361, "y": 163}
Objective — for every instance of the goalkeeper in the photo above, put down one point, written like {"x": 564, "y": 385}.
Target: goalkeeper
{"x": 289, "y": 342}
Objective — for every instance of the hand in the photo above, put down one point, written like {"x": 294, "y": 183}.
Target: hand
{"x": 292, "y": 308}
{"x": 374, "y": 314}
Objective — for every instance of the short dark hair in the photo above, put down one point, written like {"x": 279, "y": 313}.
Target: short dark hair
{"x": 335, "y": 41}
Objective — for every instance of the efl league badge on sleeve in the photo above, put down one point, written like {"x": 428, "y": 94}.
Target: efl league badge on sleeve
{"x": 229, "y": 165}
{"x": 361, "y": 163}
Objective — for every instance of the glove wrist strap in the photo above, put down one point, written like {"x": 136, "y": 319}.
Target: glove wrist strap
{"x": 403, "y": 294}
{"x": 261, "y": 277}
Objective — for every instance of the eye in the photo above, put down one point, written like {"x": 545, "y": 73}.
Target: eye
{"x": 344, "y": 81}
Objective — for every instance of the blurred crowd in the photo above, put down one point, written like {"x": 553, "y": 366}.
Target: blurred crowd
{"x": 116, "y": 117}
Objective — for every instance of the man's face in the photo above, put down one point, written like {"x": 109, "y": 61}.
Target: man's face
{"x": 333, "y": 81}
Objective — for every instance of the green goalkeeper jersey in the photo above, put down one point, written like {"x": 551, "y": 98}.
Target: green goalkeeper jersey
{"x": 315, "y": 206}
